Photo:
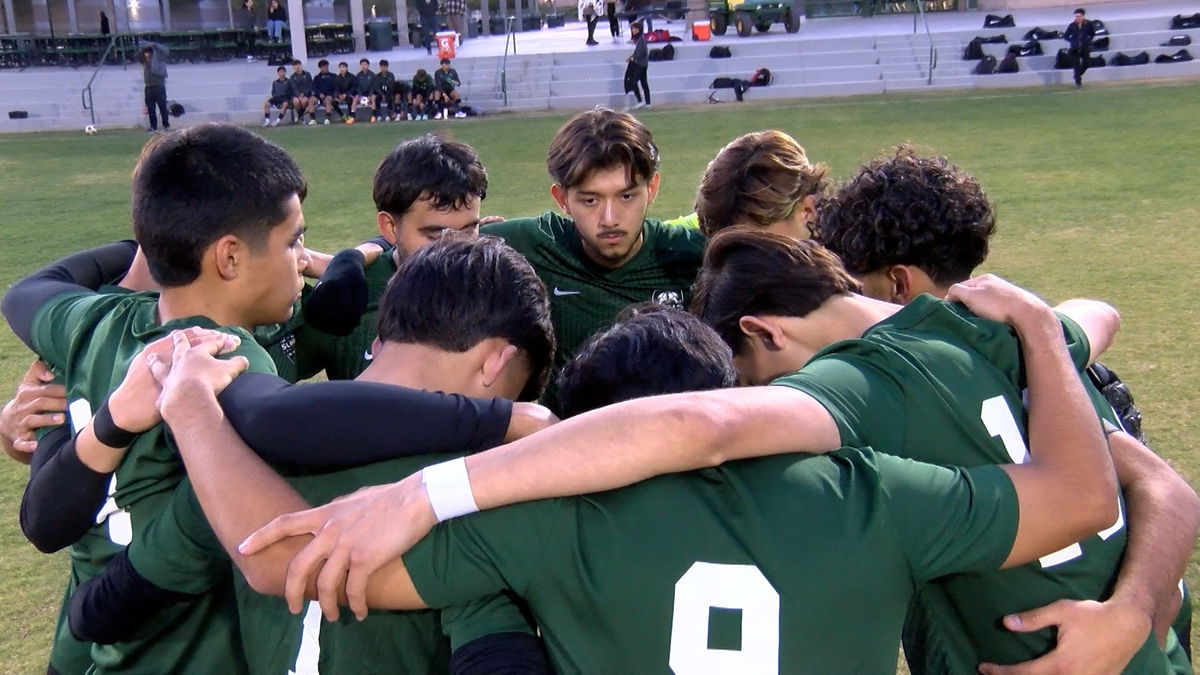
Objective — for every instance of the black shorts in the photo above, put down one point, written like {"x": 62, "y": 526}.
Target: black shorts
{"x": 277, "y": 101}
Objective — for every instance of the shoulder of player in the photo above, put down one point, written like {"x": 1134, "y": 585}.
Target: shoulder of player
{"x": 548, "y": 229}
{"x": 687, "y": 241}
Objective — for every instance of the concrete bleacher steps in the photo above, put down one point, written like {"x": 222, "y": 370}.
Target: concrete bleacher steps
{"x": 829, "y": 57}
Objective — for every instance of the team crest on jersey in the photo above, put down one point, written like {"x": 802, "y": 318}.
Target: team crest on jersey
{"x": 289, "y": 347}
{"x": 669, "y": 298}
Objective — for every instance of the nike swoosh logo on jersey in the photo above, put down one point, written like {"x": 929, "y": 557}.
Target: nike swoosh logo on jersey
{"x": 559, "y": 292}
{"x": 368, "y": 355}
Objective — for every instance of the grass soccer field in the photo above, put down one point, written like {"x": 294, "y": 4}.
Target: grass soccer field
{"x": 1092, "y": 189}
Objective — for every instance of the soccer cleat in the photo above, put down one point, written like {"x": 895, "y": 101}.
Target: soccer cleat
{"x": 312, "y": 122}
{"x": 276, "y": 122}
{"x": 349, "y": 120}
{"x": 460, "y": 114}
{"x": 266, "y": 121}
{"x": 410, "y": 117}
{"x": 326, "y": 120}
{"x": 372, "y": 119}
{"x": 437, "y": 116}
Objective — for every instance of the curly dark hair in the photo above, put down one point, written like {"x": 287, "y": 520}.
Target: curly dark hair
{"x": 909, "y": 210}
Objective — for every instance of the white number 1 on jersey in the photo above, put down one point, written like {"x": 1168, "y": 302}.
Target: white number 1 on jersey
{"x": 999, "y": 421}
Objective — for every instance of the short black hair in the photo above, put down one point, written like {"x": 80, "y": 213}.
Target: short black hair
{"x": 384, "y": 62}
{"x": 909, "y": 210}
{"x": 364, "y": 60}
{"x": 751, "y": 271}
{"x": 343, "y": 63}
{"x": 652, "y": 349}
{"x": 281, "y": 69}
{"x": 444, "y": 61}
{"x": 447, "y": 173}
{"x": 297, "y": 62}
{"x": 194, "y": 186}
{"x": 1080, "y": 10}
{"x": 322, "y": 62}
{"x": 456, "y": 292}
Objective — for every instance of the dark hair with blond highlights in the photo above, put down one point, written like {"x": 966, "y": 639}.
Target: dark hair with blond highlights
{"x": 759, "y": 179}
{"x": 748, "y": 271}
{"x": 598, "y": 140}
{"x": 909, "y": 210}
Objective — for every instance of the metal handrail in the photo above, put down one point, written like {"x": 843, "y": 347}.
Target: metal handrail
{"x": 85, "y": 96}
{"x": 510, "y": 36}
{"x": 933, "y": 54}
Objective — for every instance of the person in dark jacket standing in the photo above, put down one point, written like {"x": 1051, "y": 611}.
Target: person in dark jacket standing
{"x": 639, "y": 62}
{"x": 249, "y": 28}
{"x": 276, "y": 17}
{"x": 427, "y": 9}
{"x": 104, "y": 29}
{"x": 614, "y": 19}
{"x": 1079, "y": 35}
{"x": 154, "y": 75}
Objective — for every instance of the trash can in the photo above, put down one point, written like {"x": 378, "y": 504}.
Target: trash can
{"x": 445, "y": 42}
{"x": 702, "y": 31}
{"x": 379, "y": 35}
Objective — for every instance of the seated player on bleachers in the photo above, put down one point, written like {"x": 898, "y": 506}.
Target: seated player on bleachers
{"x": 385, "y": 93}
{"x": 303, "y": 100}
{"x": 402, "y": 99}
{"x": 365, "y": 85}
{"x": 445, "y": 91}
{"x": 324, "y": 87}
{"x": 281, "y": 97}
{"x": 422, "y": 95}
{"x": 345, "y": 90}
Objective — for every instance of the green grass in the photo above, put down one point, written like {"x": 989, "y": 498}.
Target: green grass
{"x": 1094, "y": 192}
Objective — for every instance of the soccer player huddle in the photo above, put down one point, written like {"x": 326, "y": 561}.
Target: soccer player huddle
{"x": 784, "y": 440}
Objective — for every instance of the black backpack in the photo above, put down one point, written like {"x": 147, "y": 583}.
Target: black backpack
{"x": 993, "y": 21}
{"x": 986, "y": 66}
{"x": 1042, "y": 34}
{"x": 761, "y": 78}
{"x": 1178, "y": 41}
{"x": 1031, "y": 48}
{"x": 1096, "y": 62}
{"x": 1100, "y": 45}
{"x": 1179, "y": 21}
{"x": 719, "y": 52}
{"x": 665, "y": 53}
{"x": 1063, "y": 60}
{"x": 1178, "y": 57}
{"x": 1126, "y": 60}
{"x": 973, "y": 52}
{"x": 1008, "y": 64}
{"x": 1098, "y": 28}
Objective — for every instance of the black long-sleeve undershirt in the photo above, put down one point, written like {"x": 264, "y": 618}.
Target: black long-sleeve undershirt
{"x": 333, "y": 425}
{"x": 88, "y": 269}
{"x": 339, "y": 298}
{"x": 62, "y": 496}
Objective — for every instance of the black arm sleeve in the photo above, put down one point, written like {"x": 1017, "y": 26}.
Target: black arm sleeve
{"x": 340, "y": 424}
{"x": 63, "y": 495}
{"x": 501, "y": 654}
{"x": 339, "y": 298}
{"x": 87, "y": 269}
{"x": 113, "y": 605}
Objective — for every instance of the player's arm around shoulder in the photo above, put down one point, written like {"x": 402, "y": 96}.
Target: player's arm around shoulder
{"x": 1067, "y": 488}
{"x": 1099, "y": 322}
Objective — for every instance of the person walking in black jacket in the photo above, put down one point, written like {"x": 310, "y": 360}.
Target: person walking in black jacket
{"x": 1079, "y": 35}
{"x": 639, "y": 62}
{"x": 427, "y": 9}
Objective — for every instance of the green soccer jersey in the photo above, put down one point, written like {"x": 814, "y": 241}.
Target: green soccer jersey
{"x": 181, "y": 553}
{"x": 787, "y": 564}
{"x": 89, "y": 340}
{"x": 345, "y": 357}
{"x": 585, "y": 297}
{"x": 937, "y": 384}
{"x": 279, "y": 339}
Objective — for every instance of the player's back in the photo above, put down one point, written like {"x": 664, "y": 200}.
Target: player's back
{"x": 793, "y": 564}
{"x": 937, "y": 384}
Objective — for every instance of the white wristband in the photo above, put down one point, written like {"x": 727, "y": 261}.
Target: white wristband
{"x": 449, "y": 489}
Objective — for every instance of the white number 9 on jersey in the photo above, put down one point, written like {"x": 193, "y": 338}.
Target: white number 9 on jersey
{"x": 710, "y": 585}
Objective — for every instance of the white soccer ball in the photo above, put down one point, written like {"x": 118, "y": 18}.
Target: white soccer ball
{"x": 90, "y": 130}
{"x": 366, "y": 100}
